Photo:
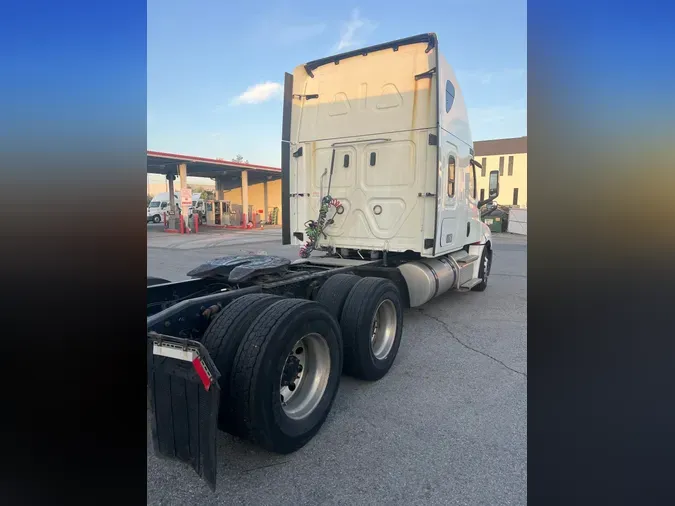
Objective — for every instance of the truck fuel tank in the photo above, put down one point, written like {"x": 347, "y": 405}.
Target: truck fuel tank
{"x": 428, "y": 278}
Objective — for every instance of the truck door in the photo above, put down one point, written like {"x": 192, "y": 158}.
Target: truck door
{"x": 474, "y": 227}
{"x": 448, "y": 221}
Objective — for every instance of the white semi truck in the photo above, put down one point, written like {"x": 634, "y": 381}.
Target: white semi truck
{"x": 379, "y": 193}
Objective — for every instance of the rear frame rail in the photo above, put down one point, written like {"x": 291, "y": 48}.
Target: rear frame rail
{"x": 161, "y": 297}
{"x": 185, "y": 319}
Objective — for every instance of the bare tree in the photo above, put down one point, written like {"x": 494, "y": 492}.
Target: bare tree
{"x": 239, "y": 159}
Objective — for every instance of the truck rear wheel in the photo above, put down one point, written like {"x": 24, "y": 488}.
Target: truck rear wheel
{"x": 286, "y": 374}
{"x": 222, "y": 339}
{"x": 372, "y": 323}
{"x": 333, "y": 293}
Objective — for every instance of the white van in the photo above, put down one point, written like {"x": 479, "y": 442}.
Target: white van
{"x": 159, "y": 205}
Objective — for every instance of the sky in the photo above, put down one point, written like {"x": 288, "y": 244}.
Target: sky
{"x": 216, "y": 67}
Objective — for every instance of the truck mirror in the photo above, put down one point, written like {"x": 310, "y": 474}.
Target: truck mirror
{"x": 493, "y": 191}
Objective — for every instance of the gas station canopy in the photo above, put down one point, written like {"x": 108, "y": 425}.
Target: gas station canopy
{"x": 228, "y": 173}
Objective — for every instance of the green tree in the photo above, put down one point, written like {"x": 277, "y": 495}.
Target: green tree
{"x": 239, "y": 159}
{"x": 204, "y": 193}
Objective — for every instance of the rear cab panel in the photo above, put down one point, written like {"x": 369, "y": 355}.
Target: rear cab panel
{"x": 378, "y": 117}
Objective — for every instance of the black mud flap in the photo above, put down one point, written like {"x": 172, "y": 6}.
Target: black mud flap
{"x": 184, "y": 399}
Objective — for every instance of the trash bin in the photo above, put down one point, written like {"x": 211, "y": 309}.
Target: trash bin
{"x": 495, "y": 223}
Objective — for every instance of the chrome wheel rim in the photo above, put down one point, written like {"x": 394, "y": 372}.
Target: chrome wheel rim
{"x": 383, "y": 329}
{"x": 305, "y": 376}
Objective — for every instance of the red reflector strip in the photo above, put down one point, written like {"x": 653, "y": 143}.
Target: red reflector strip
{"x": 201, "y": 372}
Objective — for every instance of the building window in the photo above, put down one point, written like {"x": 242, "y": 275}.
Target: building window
{"x": 449, "y": 95}
{"x": 482, "y": 193}
{"x": 501, "y": 165}
{"x": 510, "y": 166}
{"x": 515, "y": 196}
{"x": 484, "y": 167}
{"x": 451, "y": 176}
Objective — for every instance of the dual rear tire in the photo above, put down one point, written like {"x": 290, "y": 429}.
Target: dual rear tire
{"x": 371, "y": 319}
{"x": 281, "y": 359}
{"x": 280, "y": 362}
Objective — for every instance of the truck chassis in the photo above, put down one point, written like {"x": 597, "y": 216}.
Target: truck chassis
{"x": 205, "y": 334}
{"x": 186, "y": 387}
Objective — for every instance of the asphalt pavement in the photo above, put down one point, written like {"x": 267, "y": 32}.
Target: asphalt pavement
{"x": 447, "y": 425}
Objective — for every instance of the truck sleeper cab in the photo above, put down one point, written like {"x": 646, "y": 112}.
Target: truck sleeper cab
{"x": 378, "y": 175}
{"x": 384, "y": 131}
